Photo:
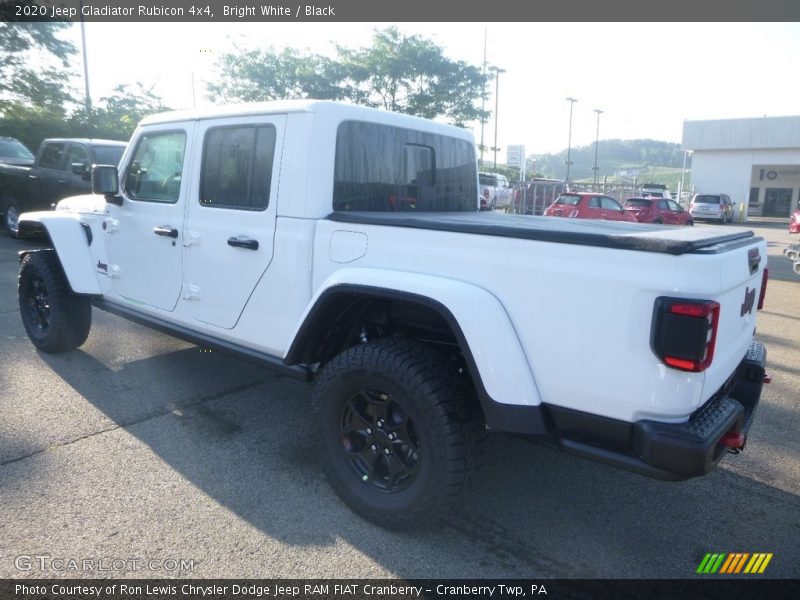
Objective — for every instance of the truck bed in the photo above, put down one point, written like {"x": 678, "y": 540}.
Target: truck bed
{"x": 666, "y": 239}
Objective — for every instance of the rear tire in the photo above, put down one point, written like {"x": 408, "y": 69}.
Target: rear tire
{"x": 55, "y": 319}
{"x": 398, "y": 431}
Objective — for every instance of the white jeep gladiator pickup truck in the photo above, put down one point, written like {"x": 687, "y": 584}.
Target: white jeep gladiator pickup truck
{"x": 344, "y": 245}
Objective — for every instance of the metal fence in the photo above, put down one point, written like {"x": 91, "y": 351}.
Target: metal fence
{"x": 532, "y": 197}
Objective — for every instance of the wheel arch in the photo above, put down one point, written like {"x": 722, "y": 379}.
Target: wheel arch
{"x": 71, "y": 240}
{"x": 477, "y": 321}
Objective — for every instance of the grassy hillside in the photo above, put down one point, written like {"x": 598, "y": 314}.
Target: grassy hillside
{"x": 620, "y": 161}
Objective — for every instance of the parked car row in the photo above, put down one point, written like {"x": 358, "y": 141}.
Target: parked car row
{"x": 61, "y": 168}
{"x": 651, "y": 207}
{"x": 588, "y": 205}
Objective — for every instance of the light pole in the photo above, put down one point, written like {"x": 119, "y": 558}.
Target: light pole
{"x": 483, "y": 97}
{"x": 683, "y": 174}
{"x": 87, "y": 97}
{"x": 497, "y": 71}
{"x": 571, "y": 101}
{"x": 596, "y": 143}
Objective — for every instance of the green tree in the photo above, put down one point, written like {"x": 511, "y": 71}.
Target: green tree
{"x": 266, "y": 74}
{"x": 43, "y": 86}
{"x": 117, "y": 115}
{"x": 410, "y": 74}
{"x": 407, "y": 74}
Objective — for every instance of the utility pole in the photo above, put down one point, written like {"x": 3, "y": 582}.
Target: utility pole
{"x": 571, "y": 101}
{"x": 596, "y": 144}
{"x": 497, "y": 71}
{"x": 483, "y": 97}
{"x": 88, "y": 97}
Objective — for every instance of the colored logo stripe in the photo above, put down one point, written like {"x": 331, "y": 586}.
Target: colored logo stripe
{"x": 734, "y": 562}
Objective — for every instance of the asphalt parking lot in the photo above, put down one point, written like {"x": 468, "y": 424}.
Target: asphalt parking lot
{"x": 141, "y": 447}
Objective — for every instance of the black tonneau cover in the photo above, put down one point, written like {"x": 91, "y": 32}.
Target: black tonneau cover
{"x": 667, "y": 239}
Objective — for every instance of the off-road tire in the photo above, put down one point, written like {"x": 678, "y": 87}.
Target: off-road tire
{"x": 440, "y": 409}
{"x": 56, "y": 319}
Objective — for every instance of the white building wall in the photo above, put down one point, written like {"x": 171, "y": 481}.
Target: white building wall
{"x": 729, "y": 155}
{"x": 723, "y": 172}
{"x": 734, "y": 172}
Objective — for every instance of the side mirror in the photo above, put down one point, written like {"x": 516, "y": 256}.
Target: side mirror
{"x": 83, "y": 169}
{"x": 105, "y": 180}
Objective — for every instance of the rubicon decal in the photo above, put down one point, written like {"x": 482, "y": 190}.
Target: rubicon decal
{"x": 732, "y": 563}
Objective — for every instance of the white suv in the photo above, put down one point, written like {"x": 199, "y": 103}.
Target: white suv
{"x": 718, "y": 207}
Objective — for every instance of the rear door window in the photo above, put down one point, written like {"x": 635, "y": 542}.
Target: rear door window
{"x": 108, "y": 155}
{"x": 610, "y": 203}
{"x": 568, "y": 199}
{"x": 237, "y": 167}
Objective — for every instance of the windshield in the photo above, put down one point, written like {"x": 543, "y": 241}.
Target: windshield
{"x": 638, "y": 202}
{"x": 569, "y": 199}
{"x": 14, "y": 149}
{"x": 108, "y": 155}
{"x": 707, "y": 199}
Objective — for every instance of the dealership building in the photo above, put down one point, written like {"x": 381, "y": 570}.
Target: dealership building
{"x": 755, "y": 161}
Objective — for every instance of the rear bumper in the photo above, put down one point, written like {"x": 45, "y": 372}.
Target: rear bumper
{"x": 669, "y": 451}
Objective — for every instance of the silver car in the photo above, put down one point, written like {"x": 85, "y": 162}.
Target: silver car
{"x": 716, "y": 207}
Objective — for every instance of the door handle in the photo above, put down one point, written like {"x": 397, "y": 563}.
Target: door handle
{"x": 166, "y": 231}
{"x": 243, "y": 243}
{"x": 61, "y": 181}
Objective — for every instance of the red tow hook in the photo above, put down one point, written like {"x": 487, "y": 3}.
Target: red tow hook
{"x": 734, "y": 441}
{"x": 767, "y": 378}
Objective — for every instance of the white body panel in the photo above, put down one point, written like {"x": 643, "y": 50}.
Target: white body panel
{"x": 559, "y": 323}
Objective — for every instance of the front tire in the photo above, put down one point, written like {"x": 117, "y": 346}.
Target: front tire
{"x": 398, "y": 432}
{"x": 11, "y": 219}
{"x": 55, "y": 319}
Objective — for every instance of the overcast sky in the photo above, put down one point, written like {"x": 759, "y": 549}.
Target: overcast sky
{"x": 648, "y": 78}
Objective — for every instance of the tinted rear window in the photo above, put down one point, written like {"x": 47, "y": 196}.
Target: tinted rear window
{"x": 487, "y": 180}
{"x": 108, "y": 155}
{"x": 707, "y": 199}
{"x": 569, "y": 199}
{"x": 639, "y": 202}
{"x": 384, "y": 168}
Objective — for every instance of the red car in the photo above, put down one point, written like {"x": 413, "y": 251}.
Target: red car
{"x": 582, "y": 205}
{"x": 794, "y": 221}
{"x": 658, "y": 210}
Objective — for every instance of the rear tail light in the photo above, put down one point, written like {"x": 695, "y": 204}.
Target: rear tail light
{"x": 763, "y": 294}
{"x": 685, "y": 332}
